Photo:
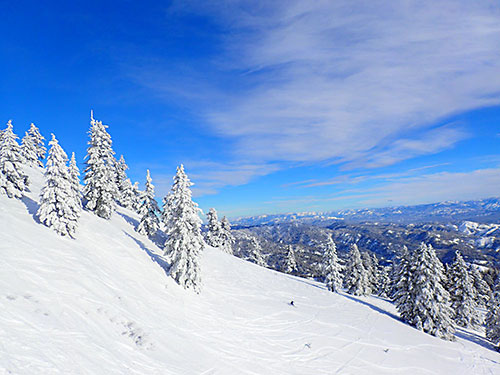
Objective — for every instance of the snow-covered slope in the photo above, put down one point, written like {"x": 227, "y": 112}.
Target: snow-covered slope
{"x": 103, "y": 304}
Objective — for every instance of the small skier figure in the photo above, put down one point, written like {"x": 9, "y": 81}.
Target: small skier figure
{"x": 292, "y": 304}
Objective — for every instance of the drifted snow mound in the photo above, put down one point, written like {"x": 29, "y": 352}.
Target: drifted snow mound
{"x": 103, "y": 304}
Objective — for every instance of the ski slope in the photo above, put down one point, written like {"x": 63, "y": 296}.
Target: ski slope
{"x": 103, "y": 304}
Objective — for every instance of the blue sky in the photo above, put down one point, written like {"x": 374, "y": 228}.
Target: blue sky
{"x": 272, "y": 106}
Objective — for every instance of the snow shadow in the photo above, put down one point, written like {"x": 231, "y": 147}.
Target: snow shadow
{"x": 158, "y": 239}
{"x": 475, "y": 338}
{"x": 129, "y": 219}
{"x": 373, "y": 307}
{"x": 154, "y": 257}
{"x": 32, "y": 207}
{"x": 305, "y": 281}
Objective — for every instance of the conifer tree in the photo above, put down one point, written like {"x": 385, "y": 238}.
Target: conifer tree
{"x": 126, "y": 194}
{"x": 462, "y": 294}
{"x": 59, "y": 209}
{"x": 74, "y": 174}
{"x": 490, "y": 277}
{"x": 492, "y": 320}
{"x": 149, "y": 210}
{"x": 28, "y": 151}
{"x": 402, "y": 284}
{"x": 483, "y": 291}
{"x": 121, "y": 170}
{"x": 13, "y": 181}
{"x": 226, "y": 237}
{"x": 430, "y": 310}
{"x": 137, "y": 196}
{"x": 331, "y": 267}
{"x": 184, "y": 240}
{"x": 383, "y": 282}
{"x": 100, "y": 189}
{"x": 356, "y": 277}
{"x": 213, "y": 235}
{"x": 255, "y": 253}
{"x": 38, "y": 139}
{"x": 371, "y": 264}
{"x": 290, "y": 265}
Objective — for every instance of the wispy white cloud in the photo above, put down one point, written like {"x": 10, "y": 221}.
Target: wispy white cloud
{"x": 427, "y": 188}
{"x": 361, "y": 82}
{"x": 437, "y": 187}
{"x": 209, "y": 177}
{"x": 350, "y": 179}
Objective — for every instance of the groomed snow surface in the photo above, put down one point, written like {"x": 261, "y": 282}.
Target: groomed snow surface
{"x": 103, "y": 304}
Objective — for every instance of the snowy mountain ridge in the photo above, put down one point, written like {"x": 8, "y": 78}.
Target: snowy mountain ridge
{"x": 479, "y": 229}
{"x": 454, "y": 211}
{"x": 104, "y": 304}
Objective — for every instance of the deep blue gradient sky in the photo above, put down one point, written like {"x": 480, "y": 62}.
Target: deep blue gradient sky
{"x": 272, "y": 106}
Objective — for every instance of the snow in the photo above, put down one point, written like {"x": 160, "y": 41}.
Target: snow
{"x": 103, "y": 304}
{"x": 471, "y": 227}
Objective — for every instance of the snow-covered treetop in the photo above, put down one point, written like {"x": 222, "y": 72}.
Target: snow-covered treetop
{"x": 100, "y": 140}
{"x": 179, "y": 197}
{"x": 121, "y": 168}
{"x": 150, "y": 188}
{"x": 37, "y": 139}
{"x": 13, "y": 181}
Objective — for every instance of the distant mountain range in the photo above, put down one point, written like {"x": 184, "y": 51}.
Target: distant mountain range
{"x": 472, "y": 227}
{"x": 481, "y": 211}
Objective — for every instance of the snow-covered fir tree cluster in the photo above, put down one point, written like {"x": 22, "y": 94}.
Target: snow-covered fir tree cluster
{"x": 107, "y": 185}
{"x": 60, "y": 203}
{"x": 427, "y": 296}
{"x": 219, "y": 232}
{"x": 13, "y": 180}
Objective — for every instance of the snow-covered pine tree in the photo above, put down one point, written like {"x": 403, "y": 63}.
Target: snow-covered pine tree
{"x": 59, "y": 208}
{"x": 355, "y": 275}
{"x": 137, "y": 196}
{"x": 37, "y": 141}
{"x": 290, "y": 265}
{"x": 402, "y": 284}
{"x": 226, "y": 237}
{"x": 331, "y": 267}
{"x": 126, "y": 194}
{"x": 490, "y": 277}
{"x": 255, "y": 253}
{"x": 28, "y": 151}
{"x": 13, "y": 181}
{"x": 74, "y": 174}
{"x": 214, "y": 229}
{"x": 492, "y": 320}
{"x": 100, "y": 188}
{"x": 149, "y": 210}
{"x": 483, "y": 291}
{"x": 392, "y": 279}
{"x": 121, "y": 170}
{"x": 383, "y": 282}
{"x": 184, "y": 240}
{"x": 462, "y": 294}
{"x": 430, "y": 302}
{"x": 371, "y": 269}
